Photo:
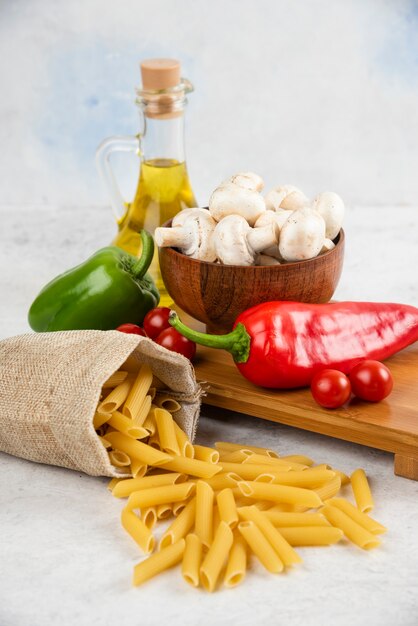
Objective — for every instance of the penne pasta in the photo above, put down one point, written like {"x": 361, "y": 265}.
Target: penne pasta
{"x": 237, "y": 562}
{"x": 261, "y": 547}
{"x": 139, "y": 532}
{"x": 192, "y": 467}
{"x": 343, "y": 477}
{"x": 361, "y": 490}
{"x": 138, "y": 469}
{"x": 357, "y": 516}
{"x": 124, "y": 488}
{"x": 227, "y": 507}
{"x": 184, "y": 443}
{"x": 180, "y": 526}
{"x": 298, "y": 458}
{"x": 262, "y": 505}
{"x": 143, "y": 411}
{"x": 231, "y": 447}
{"x": 138, "y": 392}
{"x": 278, "y": 464}
{"x": 100, "y": 418}
{"x": 165, "y": 402}
{"x": 238, "y": 456}
{"x": 222, "y": 481}
{"x": 125, "y": 425}
{"x": 279, "y": 544}
{"x": 115, "y": 379}
{"x": 204, "y": 512}
{"x": 311, "y": 535}
{"x": 203, "y": 453}
{"x": 353, "y": 531}
{"x": 289, "y": 519}
{"x": 329, "y": 489}
{"x": 160, "y": 495}
{"x": 152, "y": 393}
{"x": 131, "y": 365}
{"x": 149, "y": 423}
{"x": 158, "y": 562}
{"x": 301, "y": 478}
{"x": 119, "y": 458}
{"x": 216, "y": 556}
{"x": 149, "y": 516}
{"x": 166, "y": 432}
{"x": 105, "y": 443}
{"x": 192, "y": 558}
{"x": 164, "y": 511}
{"x": 112, "y": 483}
{"x": 247, "y": 471}
{"x": 138, "y": 450}
{"x": 116, "y": 398}
{"x": 179, "y": 506}
{"x": 280, "y": 493}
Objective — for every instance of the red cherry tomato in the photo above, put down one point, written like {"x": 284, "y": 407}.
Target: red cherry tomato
{"x": 131, "y": 329}
{"x": 172, "y": 340}
{"x": 330, "y": 388}
{"x": 156, "y": 321}
{"x": 371, "y": 380}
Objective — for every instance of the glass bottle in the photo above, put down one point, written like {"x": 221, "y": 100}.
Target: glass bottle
{"x": 163, "y": 187}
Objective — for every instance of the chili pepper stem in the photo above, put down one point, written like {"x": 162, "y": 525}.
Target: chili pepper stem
{"x": 140, "y": 267}
{"x": 236, "y": 342}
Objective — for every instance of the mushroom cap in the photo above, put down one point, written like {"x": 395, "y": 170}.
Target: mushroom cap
{"x": 230, "y": 241}
{"x": 327, "y": 246}
{"x": 231, "y": 199}
{"x": 302, "y": 236}
{"x": 286, "y": 197}
{"x": 181, "y": 216}
{"x": 331, "y": 206}
{"x": 248, "y": 180}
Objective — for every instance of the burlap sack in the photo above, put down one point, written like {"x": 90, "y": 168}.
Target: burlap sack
{"x": 50, "y": 385}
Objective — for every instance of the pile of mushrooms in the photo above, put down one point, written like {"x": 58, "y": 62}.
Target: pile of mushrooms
{"x": 242, "y": 227}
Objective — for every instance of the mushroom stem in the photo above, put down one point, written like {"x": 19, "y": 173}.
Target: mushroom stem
{"x": 263, "y": 237}
{"x": 178, "y": 237}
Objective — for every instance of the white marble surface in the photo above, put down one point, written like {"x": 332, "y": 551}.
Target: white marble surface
{"x": 63, "y": 556}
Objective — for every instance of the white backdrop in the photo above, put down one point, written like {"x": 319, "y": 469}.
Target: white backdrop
{"x": 321, "y": 93}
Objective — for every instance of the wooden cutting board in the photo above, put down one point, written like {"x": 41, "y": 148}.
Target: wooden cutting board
{"x": 391, "y": 425}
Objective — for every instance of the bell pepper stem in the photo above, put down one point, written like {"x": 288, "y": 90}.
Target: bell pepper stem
{"x": 236, "y": 342}
{"x": 142, "y": 264}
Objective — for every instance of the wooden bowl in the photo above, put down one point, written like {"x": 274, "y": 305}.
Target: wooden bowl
{"x": 216, "y": 294}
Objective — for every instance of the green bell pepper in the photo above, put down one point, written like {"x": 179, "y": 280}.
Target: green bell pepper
{"x": 109, "y": 289}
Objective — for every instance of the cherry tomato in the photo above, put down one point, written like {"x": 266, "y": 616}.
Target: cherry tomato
{"x": 371, "y": 380}
{"x": 171, "y": 339}
{"x": 131, "y": 329}
{"x": 156, "y": 321}
{"x": 330, "y": 388}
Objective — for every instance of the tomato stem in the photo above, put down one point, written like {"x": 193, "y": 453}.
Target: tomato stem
{"x": 237, "y": 342}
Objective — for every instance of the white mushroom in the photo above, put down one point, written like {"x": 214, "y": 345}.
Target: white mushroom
{"x": 331, "y": 207}
{"x": 279, "y": 217}
{"x": 266, "y": 260}
{"x": 286, "y": 197}
{"x": 302, "y": 236}
{"x": 181, "y": 216}
{"x": 236, "y": 243}
{"x": 248, "y": 180}
{"x": 194, "y": 237}
{"x": 327, "y": 246}
{"x": 231, "y": 199}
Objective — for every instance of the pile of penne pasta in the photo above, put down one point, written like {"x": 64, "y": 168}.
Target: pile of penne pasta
{"x": 227, "y": 502}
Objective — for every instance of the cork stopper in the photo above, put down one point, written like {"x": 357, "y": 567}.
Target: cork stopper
{"x": 160, "y": 74}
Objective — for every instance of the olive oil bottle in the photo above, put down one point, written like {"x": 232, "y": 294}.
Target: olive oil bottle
{"x": 163, "y": 187}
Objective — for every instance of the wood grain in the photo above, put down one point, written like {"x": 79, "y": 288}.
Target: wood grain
{"x": 391, "y": 425}
{"x": 216, "y": 294}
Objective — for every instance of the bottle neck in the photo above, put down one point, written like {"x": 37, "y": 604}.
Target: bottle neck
{"x": 163, "y": 138}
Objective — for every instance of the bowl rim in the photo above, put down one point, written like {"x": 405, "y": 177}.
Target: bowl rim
{"x": 339, "y": 240}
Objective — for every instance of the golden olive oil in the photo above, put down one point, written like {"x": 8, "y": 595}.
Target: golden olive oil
{"x": 163, "y": 190}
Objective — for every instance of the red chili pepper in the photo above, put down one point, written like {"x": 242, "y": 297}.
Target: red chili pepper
{"x": 283, "y": 344}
